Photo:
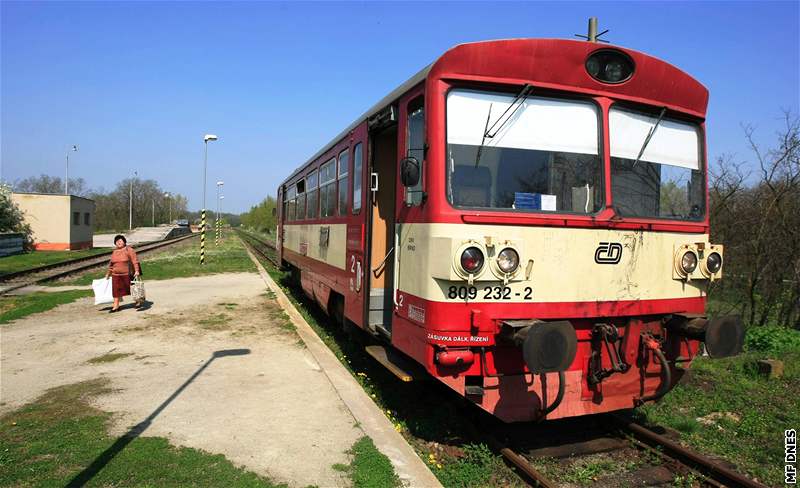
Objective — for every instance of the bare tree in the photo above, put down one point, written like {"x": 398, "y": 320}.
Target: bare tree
{"x": 51, "y": 184}
{"x": 759, "y": 223}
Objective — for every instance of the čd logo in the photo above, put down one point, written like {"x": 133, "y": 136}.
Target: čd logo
{"x": 608, "y": 253}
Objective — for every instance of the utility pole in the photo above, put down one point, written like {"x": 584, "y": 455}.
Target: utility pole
{"x": 66, "y": 178}
{"x": 130, "y": 201}
{"x": 154, "y": 212}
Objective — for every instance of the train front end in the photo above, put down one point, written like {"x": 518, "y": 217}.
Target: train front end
{"x": 561, "y": 262}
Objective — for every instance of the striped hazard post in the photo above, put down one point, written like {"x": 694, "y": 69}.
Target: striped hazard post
{"x": 203, "y": 237}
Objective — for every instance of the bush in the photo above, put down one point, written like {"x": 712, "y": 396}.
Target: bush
{"x": 11, "y": 218}
{"x": 772, "y": 339}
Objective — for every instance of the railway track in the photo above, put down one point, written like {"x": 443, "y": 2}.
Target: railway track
{"x": 597, "y": 447}
{"x": 656, "y": 460}
{"x": 258, "y": 245}
{"x": 40, "y": 274}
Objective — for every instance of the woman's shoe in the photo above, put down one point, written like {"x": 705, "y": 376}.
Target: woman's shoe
{"x": 113, "y": 310}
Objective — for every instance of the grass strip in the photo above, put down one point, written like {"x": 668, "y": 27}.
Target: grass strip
{"x": 183, "y": 260}
{"x": 17, "y": 307}
{"x": 34, "y": 259}
{"x": 50, "y": 441}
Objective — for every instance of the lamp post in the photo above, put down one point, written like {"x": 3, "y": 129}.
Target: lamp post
{"x": 221, "y": 198}
{"x": 154, "y": 212}
{"x": 169, "y": 204}
{"x": 130, "y": 201}
{"x": 206, "y": 138}
{"x": 66, "y": 179}
{"x": 217, "y": 221}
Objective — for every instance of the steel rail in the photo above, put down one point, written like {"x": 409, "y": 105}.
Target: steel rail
{"x": 247, "y": 238}
{"x": 697, "y": 461}
{"x": 96, "y": 261}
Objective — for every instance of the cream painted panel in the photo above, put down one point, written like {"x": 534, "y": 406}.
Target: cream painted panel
{"x": 335, "y": 254}
{"x": 563, "y": 270}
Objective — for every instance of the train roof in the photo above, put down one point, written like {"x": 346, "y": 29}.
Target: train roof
{"x": 548, "y": 63}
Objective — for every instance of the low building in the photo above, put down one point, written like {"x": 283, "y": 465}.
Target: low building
{"x": 58, "y": 222}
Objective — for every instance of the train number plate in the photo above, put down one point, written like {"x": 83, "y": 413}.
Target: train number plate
{"x": 488, "y": 293}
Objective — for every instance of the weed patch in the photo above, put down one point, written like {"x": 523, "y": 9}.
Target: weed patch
{"x": 109, "y": 358}
{"x": 369, "y": 468}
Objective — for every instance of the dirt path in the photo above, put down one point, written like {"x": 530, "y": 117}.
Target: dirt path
{"x": 271, "y": 410}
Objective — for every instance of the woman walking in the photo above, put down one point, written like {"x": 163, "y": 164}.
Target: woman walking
{"x": 123, "y": 264}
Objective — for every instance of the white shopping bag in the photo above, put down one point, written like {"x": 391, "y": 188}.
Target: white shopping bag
{"x": 102, "y": 291}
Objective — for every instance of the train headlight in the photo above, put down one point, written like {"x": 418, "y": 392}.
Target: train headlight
{"x": 714, "y": 262}
{"x": 689, "y": 262}
{"x": 609, "y": 66}
{"x": 508, "y": 260}
{"x": 471, "y": 260}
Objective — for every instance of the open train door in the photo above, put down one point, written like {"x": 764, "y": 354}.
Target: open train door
{"x": 278, "y": 212}
{"x": 379, "y": 272}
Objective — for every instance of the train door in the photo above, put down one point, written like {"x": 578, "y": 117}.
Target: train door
{"x": 279, "y": 225}
{"x": 383, "y": 170}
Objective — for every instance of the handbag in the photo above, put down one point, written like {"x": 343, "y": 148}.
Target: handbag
{"x": 131, "y": 268}
{"x": 137, "y": 290}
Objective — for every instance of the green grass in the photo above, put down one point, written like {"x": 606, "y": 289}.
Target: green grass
{"x": 50, "y": 441}
{"x": 183, "y": 260}
{"x": 745, "y": 413}
{"x": 369, "y": 468}
{"x": 17, "y": 307}
{"x": 19, "y": 262}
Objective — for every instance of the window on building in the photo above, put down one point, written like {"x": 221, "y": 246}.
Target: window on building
{"x": 311, "y": 195}
{"x": 344, "y": 166}
{"x": 76, "y": 218}
{"x": 327, "y": 188}
{"x": 357, "y": 178}
{"x": 86, "y": 219}
{"x": 415, "y": 146}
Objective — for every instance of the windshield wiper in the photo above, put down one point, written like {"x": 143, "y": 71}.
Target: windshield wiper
{"x": 487, "y": 131}
{"x": 650, "y": 136}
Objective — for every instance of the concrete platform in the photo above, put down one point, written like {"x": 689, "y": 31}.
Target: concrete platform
{"x": 141, "y": 235}
{"x": 284, "y": 408}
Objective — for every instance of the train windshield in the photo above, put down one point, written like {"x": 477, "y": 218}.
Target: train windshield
{"x": 667, "y": 180}
{"x": 523, "y": 153}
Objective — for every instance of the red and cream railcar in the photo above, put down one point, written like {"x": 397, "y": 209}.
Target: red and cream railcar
{"x": 527, "y": 220}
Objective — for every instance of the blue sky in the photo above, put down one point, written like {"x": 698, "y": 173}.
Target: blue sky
{"x": 137, "y": 84}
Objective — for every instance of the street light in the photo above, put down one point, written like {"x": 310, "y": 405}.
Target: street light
{"x": 206, "y": 138}
{"x": 130, "y": 201}
{"x": 66, "y": 180}
{"x": 217, "y": 222}
{"x": 169, "y": 204}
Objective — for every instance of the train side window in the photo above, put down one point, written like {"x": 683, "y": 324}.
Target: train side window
{"x": 344, "y": 166}
{"x": 357, "y": 175}
{"x": 311, "y": 195}
{"x": 301, "y": 200}
{"x": 327, "y": 188}
{"x": 415, "y": 146}
{"x": 290, "y": 203}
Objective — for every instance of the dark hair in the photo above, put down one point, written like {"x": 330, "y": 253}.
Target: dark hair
{"x": 120, "y": 236}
